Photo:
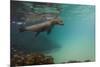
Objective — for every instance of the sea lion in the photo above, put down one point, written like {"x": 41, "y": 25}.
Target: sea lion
{"x": 42, "y": 27}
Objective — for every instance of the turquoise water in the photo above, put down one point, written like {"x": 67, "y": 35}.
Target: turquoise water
{"x": 73, "y": 41}
{"x": 76, "y": 37}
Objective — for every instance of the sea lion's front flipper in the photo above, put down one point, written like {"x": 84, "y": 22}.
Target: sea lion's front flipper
{"x": 49, "y": 30}
{"x": 37, "y": 33}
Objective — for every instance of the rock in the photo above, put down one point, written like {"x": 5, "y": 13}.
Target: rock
{"x": 73, "y": 61}
{"x": 21, "y": 59}
{"x": 87, "y": 61}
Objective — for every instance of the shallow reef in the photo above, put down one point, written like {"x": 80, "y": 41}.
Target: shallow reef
{"x": 19, "y": 58}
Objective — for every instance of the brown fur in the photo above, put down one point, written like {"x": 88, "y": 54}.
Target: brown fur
{"x": 45, "y": 26}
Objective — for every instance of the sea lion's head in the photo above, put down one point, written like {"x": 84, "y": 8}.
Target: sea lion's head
{"x": 57, "y": 21}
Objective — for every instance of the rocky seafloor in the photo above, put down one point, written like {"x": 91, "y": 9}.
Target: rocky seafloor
{"x": 19, "y": 58}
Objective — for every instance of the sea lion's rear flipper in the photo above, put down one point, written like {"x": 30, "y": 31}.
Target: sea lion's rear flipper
{"x": 37, "y": 33}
